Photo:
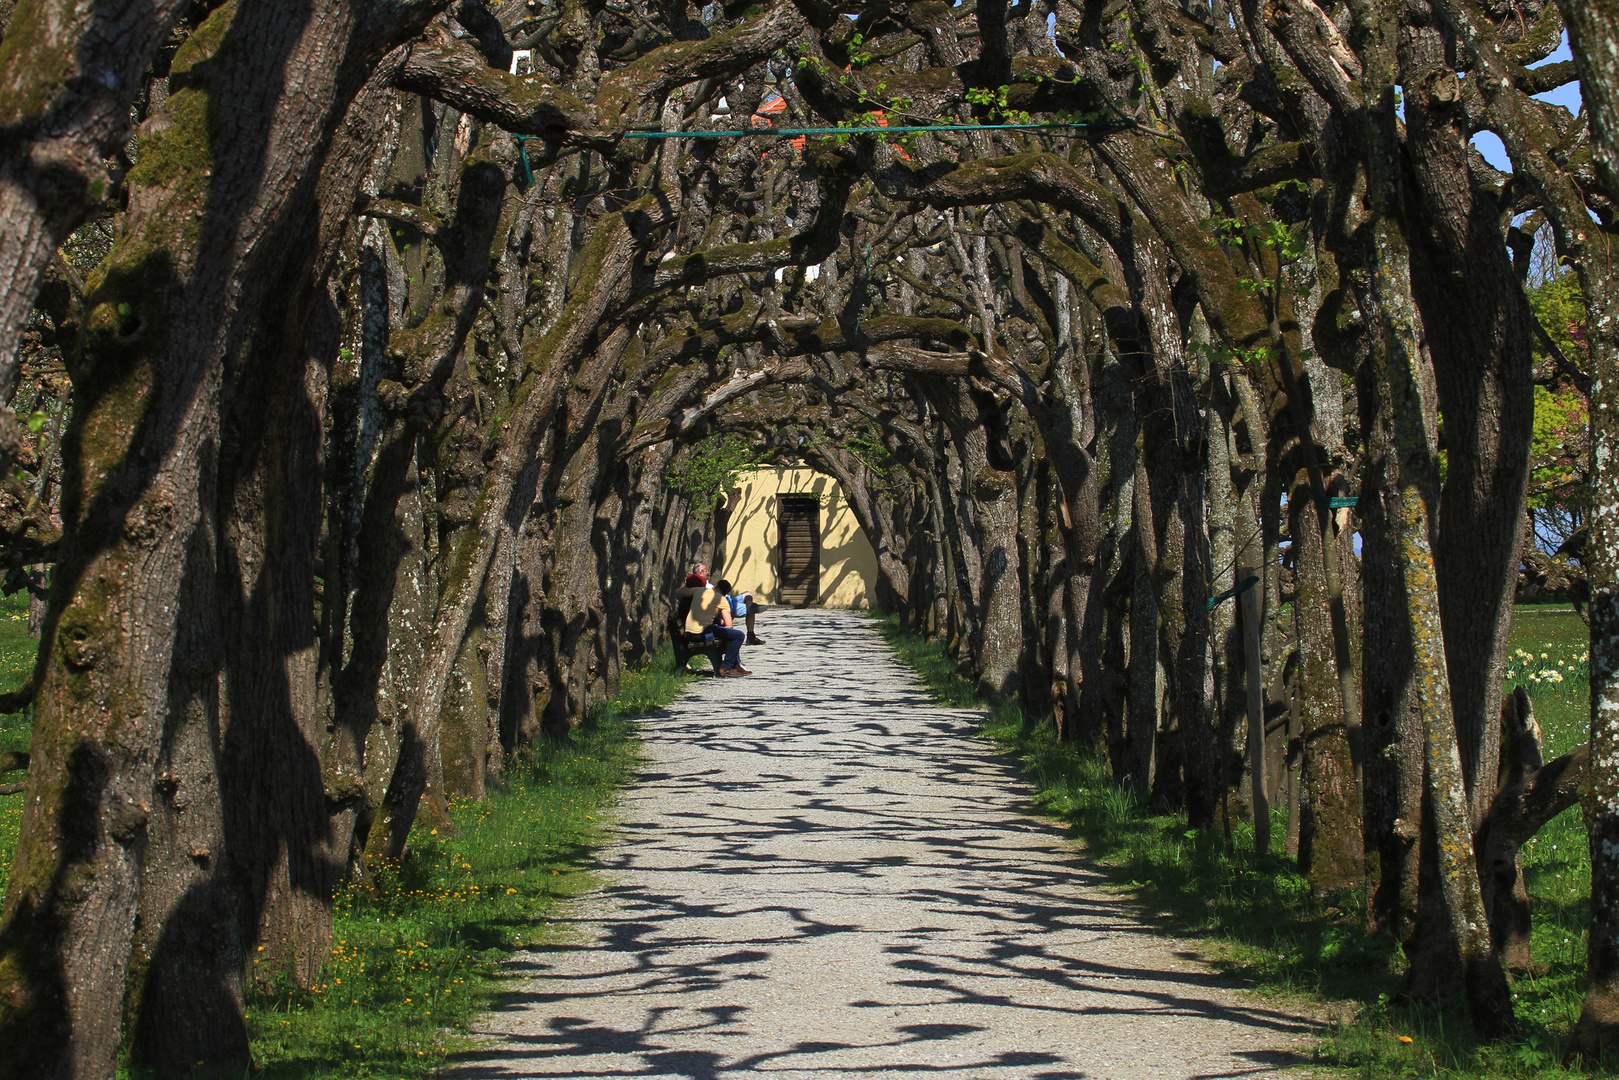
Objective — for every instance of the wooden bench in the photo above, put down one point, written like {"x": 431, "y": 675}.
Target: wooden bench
{"x": 684, "y": 652}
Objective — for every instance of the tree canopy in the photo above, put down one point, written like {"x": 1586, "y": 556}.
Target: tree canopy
{"x": 374, "y": 369}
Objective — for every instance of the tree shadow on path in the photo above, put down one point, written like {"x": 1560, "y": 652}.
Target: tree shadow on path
{"x": 821, "y": 873}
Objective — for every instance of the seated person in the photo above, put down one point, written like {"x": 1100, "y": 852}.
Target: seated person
{"x": 708, "y": 613}
{"x": 694, "y": 581}
{"x": 742, "y": 607}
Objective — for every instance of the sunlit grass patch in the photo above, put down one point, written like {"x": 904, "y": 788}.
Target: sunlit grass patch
{"x": 1549, "y": 656}
{"x": 17, "y": 652}
{"x": 1557, "y": 863}
{"x": 417, "y": 952}
{"x": 1548, "y": 625}
{"x": 1258, "y": 920}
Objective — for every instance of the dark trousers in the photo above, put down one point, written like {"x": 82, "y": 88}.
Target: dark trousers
{"x": 732, "y": 639}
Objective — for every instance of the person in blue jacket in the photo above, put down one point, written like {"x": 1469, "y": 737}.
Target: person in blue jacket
{"x": 742, "y": 608}
{"x": 707, "y": 617}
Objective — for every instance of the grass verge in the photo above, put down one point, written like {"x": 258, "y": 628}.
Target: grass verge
{"x": 417, "y": 954}
{"x": 17, "y": 652}
{"x": 1255, "y": 917}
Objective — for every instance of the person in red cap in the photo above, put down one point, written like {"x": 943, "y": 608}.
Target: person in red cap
{"x": 706, "y": 613}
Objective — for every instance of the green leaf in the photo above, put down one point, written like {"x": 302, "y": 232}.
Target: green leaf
{"x": 704, "y": 477}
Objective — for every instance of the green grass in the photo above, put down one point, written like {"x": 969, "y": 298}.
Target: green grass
{"x": 1256, "y": 918}
{"x": 417, "y": 954}
{"x": 17, "y": 651}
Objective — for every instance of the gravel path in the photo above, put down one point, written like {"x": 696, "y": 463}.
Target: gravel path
{"x": 822, "y": 874}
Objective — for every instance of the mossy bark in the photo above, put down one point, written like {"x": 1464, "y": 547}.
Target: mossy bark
{"x": 1592, "y": 28}
{"x": 1330, "y": 842}
{"x": 603, "y": 280}
{"x": 135, "y": 504}
{"x": 1392, "y": 312}
{"x": 464, "y": 728}
{"x": 1597, "y": 1031}
{"x": 1393, "y": 758}
{"x": 195, "y": 285}
{"x": 1144, "y": 715}
{"x": 1477, "y": 322}
{"x": 1104, "y": 631}
{"x": 69, "y": 74}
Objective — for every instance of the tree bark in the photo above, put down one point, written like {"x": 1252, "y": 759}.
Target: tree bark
{"x": 1531, "y": 794}
{"x": 187, "y": 284}
{"x": 1487, "y": 992}
{"x": 69, "y": 73}
{"x": 1393, "y": 772}
{"x": 1330, "y": 845}
{"x": 1477, "y": 323}
{"x": 1591, "y": 249}
{"x": 1146, "y": 668}
{"x": 1592, "y": 29}
{"x": 1253, "y": 679}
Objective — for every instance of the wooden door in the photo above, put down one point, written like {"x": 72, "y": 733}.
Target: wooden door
{"x": 798, "y": 549}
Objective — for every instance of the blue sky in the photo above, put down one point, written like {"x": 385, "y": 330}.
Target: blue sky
{"x": 1567, "y": 96}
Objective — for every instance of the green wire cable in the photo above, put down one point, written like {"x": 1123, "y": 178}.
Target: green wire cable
{"x": 1242, "y": 586}
{"x": 522, "y": 152}
{"x": 789, "y": 133}
{"x": 894, "y": 130}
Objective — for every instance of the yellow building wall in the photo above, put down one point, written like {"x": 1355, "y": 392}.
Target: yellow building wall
{"x": 848, "y": 563}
